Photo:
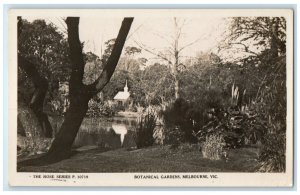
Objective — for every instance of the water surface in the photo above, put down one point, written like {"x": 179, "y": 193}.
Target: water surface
{"x": 113, "y": 132}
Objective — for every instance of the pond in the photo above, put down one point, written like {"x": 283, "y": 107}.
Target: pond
{"x": 111, "y": 133}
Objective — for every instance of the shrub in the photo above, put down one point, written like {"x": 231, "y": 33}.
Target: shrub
{"x": 213, "y": 147}
{"x": 178, "y": 123}
{"x": 145, "y": 130}
{"x": 173, "y": 136}
{"x": 184, "y": 118}
{"x": 239, "y": 127}
{"x": 97, "y": 108}
{"x": 272, "y": 155}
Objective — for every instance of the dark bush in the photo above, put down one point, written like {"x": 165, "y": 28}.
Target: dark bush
{"x": 179, "y": 123}
{"x": 145, "y": 130}
{"x": 173, "y": 136}
{"x": 185, "y": 118}
{"x": 238, "y": 127}
{"x": 272, "y": 155}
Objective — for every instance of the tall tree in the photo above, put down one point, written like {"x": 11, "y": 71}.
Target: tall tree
{"x": 39, "y": 80}
{"x": 173, "y": 54}
{"x": 79, "y": 93}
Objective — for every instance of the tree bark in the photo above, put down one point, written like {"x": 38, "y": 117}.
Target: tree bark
{"x": 176, "y": 55}
{"x": 176, "y": 70}
{"x": 176, "y": 88}
{"x": 61, "y": 146}
{"x": 37, "y": 100}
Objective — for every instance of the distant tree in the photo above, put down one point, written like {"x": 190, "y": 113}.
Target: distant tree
{"x": 143, "y": 61}
{"x": 109, "y": 47}
{"x": 173, "y": 54}
{"x": 157, "y": 81}
{"x": 93, "y": 67}
{"x": 129, "y": 54}
{"x": 91, "y": 57}
{"x": 128, "y": 69}
{"x": 132, "y": 50}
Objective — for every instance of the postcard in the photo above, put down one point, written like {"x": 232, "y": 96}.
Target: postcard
{"x": 151, "y": 97}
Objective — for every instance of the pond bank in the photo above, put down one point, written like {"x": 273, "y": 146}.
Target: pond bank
{"x": 152, "y": 159}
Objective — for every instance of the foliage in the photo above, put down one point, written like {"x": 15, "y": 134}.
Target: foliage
{"x": 92, "y": 69}
{"x": 97, "y": 108}
{"x": 46, "y": 47}
{"x": 128, "y": 69}
{"x": 262, "y": 40}
{"x": 117, "y": 84}
{"x": 271, "y": 104}
{"x": 132, "y": 50}
{"x": 158, "y": 84}
{"x": 250, "y": 36}
{"x": 109, "y": 47}
{"x": 238, "y": 127}
{"x": 272, "y": 156}
{"x": 178, "y": 122}
{"x": 32, "y": 145}
{"x": 213, "y": 147}
{"x": 145, "y": 130}
{"x": 263, "y": 119}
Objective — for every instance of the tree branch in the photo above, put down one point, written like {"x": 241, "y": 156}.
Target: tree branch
{"x": 152, "y": 52}
{"x": 246, "y": 48}
{"x": 113, "y": 59}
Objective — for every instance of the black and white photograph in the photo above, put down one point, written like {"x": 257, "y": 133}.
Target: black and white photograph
{"x": 151, "y": 97}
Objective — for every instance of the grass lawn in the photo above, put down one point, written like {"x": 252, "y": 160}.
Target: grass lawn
{"x": 153, "y": 159}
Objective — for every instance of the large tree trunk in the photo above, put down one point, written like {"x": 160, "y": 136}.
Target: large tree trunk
{"x": 61, "y": 146}
{"x": 37, "y": 100}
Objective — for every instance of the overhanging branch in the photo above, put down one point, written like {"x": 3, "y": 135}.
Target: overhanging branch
{"x": 113, "y": 59}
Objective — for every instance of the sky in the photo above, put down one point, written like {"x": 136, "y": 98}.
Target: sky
{"x": 156, "y": 33}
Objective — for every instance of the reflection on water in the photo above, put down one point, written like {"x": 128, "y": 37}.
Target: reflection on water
{"x": 120, "y": 129}
{"x": 110, "y": 133}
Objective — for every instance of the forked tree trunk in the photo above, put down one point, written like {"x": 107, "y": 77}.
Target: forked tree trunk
{"x": 80, "y": 94}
